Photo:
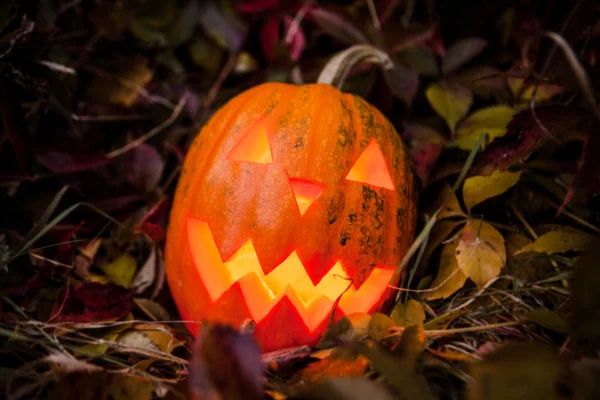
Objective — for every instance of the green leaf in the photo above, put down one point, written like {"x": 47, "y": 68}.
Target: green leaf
{"x": 559, "y": 241}
{"x": 480, "y": 252}
{"x": 461, "y": 52}
{"x": 409, "y": 313}
{"x": 450, "y": 277}
{"x": 121, "y": 270}
{"x": 491, "y": 120}
{"x": 480, "y": 188}
{"x": 516, "y": 371}
{"x": 450, "y": 101}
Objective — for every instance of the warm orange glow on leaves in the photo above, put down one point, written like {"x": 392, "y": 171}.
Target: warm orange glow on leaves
{"x": 262, "y": 292}
{"x": 254, "y": 147}
{"x": 371, "y": 168}
{"x": 305, "y": 192}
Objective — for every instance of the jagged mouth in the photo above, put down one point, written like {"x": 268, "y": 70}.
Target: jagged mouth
{"x": 289, "y": 279}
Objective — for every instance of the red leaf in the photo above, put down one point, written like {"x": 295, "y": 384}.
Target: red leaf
{"x": 226, "y": 364}
{"x": 524, "y": 135}
{"x": 92, "y": 302}
{"x": 256, "y": 6}
{"x": 60, "y": 162}
{"x": 269, "y": 35}
{"x": 426, "y": 145}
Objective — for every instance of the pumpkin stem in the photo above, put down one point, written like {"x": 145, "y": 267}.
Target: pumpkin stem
{"x": 337, "y": 69}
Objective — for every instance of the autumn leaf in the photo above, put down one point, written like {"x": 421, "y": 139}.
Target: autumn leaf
{"x": 379, "y": 326}
{"x": 346, "y": 388}
{"x": 409, "y": 313}
{"x": 226, "y": 364}
{"x": 347, "y": 328}
{"x": 426, "y": 145}
{"x": 334, "y": 366}
{"x": 461, "y": 52}
{"x": 400, "y": 368}
{"x": 547, "y": 319}
{"x": 91, "y": 302}
{"x": 526, "y": 133}
{"x": 480, "y": 252}
{"x": 450, "y": 101}
{"x": 517, "y": 371}
{"x": 121, "y": 270}
{"x": 560, "y": 240}
{"x": 477, "y": 189}
{"x": 543, "y": 91}
{"x": 491, "y": 120}
{"x": 450, "y": 277}
{"x": 584, "y": 322}
{"x": 448, "y": 204}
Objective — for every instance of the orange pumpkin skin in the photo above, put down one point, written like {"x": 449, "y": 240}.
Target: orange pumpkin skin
{"x": 233, "y": 198}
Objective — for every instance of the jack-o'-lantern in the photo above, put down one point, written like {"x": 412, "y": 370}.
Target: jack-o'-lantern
{"x": 295, "y": 207}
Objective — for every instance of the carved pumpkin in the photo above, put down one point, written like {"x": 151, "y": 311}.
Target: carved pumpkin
{"x": 295, "y": 202}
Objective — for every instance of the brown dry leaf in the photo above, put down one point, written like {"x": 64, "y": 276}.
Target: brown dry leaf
{"x": 123, "y": 87}
{"x": 101, "y": 386}
{"x": 584, "y": 324}
{"x": 399, "y": 368}
{"x": 379, "y": 326}
{"x": 480, "y": 188}
{"x": 516, "y": 371}
{"x": 334, "y": 366}
{"x": 440, "y": 231}
{"x": 560, "y": 240}
{"x": 442, "y": 321}
{"x": 524, "y": 266}
{"x": 346, "y": 389}
{"x": 409, "y": 313}
{"x": 151, "y": 337}
{"x": 480, "y": 252}
{"x": 350, "y": 327}
{"x": 226, "y": 364}
{"x": 152, "y": 309}
{"x": 450, "y": 277}
{"x": 121, "y": 270}
{"x": 450, "y": 101}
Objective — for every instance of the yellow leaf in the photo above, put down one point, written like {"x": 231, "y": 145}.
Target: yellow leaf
{"x": 379, "y": 326}
{"x": 449, "y": 204}
{"x": 559, "y": 241}
{"x": 480, "y": 252}
{"x": 491, "y": 120}
{"x": 450, "y": 101}
{"x": 410, "y": 313}
{"x": 450, "y": 277}
{"x": 548, "y": 319}
{"x": 544, "y": 91}
{"x": 121, "y": 270}
{"x": 480, "y": 188}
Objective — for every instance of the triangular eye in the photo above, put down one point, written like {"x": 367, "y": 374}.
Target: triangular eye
{"x": 305, "y": 192}
{"x": 253, "y": 147}
{"x": 371, "y": 168}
